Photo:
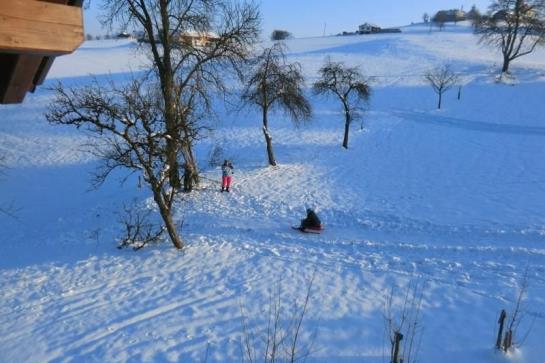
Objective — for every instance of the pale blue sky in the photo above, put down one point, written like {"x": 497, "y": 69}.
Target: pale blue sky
{"x": 308, "y": 17}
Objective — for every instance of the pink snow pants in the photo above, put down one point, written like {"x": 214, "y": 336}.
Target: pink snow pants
{"x": 226, "y": 181}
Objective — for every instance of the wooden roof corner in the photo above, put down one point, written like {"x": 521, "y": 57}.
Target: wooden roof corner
{"x": 32, "y": 34}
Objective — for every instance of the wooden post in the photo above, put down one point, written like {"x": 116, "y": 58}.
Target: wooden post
{"x": 15, "y": 84}
{"x": 508, "y": 341}
{"x": 501, "y": 322}
{"x": 398, "y": 337}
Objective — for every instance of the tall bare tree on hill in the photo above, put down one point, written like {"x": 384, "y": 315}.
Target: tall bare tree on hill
{"x": 275, "y": 84}
{"x": 516, "y": 27}
{"x": 348, "y": 85}
{"x": 147, "y": 125}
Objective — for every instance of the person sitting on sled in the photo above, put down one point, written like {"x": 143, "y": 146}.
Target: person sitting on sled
{"x": 227, "y": 175}
{"x": 311, "y": 221}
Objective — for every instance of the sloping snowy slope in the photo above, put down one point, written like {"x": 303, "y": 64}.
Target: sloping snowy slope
{"x": 453, "y": 198}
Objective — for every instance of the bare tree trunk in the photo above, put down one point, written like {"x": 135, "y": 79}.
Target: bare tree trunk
{"x": 189, "y": 157}
{"x": 166, "y": 214}
{"x": 346, "y": 127}
{"x": 506, "y": 62}
{"x": 440, "y": 100}
{"x": 268, "y": 138}
{"x": 173, "y": 138}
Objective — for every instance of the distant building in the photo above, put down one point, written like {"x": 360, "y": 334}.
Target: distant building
{"x": 197, "y": 39}
{"x": 189, "y": 38}
{"x": 449, "y": 16}
{"x": 368, "y": 28}
{"x": 123, "y": 35}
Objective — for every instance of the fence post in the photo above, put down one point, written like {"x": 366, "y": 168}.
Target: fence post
{"x": 501, "y": 322}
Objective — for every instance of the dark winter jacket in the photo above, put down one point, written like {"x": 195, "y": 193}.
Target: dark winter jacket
{"x": 312, "y": 220}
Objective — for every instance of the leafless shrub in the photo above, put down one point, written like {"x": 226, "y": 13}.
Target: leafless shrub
{"x": 139, "y": 231}
{"x": 512, "y": 337}
{"x": 216, "y": 156}
{"x": 403, "y": 322}
{"x": 281, "y": 340}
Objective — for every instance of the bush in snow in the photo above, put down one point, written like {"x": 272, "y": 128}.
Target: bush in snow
{"x": 217, "y": 155}
{"x": 282, "y": 340}
{"x": 139, "y": 231}
{"x": 402, "y": 320}
{"x": 280, "y": 35}
{"x": 509, "y": 335}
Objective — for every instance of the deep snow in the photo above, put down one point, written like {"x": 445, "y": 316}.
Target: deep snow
{"x": 453, "y": 198}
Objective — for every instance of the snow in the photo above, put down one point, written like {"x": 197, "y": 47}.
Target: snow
{"x": 453, "y": 198}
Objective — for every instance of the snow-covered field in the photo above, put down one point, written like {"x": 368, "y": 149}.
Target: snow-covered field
{"x": 453, "y": 198}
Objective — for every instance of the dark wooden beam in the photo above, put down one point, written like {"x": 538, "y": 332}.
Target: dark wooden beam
{"x": 17, "y": 76}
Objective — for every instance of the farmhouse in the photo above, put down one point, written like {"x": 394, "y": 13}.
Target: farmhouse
{"x": 197, "y": 39}
{"x": 188, "y": 38}
{"x": 368, "y": 28}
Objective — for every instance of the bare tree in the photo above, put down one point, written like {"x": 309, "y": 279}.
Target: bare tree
{"x": 146, "y": 125}
{"x": 441, "y": 79}
{"x": 426, "y": 18}
{"x": 275, "y": 84}
{"x": 131, "y": 134}
{"x": 440, "y": 19}
{"x": 474, "y": 15}
{"x": 516, "y": 27}
{"x": 348, "y": 85}
{"x": 193, "y": 44}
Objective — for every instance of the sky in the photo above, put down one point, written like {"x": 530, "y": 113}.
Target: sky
{"x": 306, "y": 18}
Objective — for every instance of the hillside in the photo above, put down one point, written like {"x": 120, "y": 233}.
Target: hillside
{"x": 452, "y": 198}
